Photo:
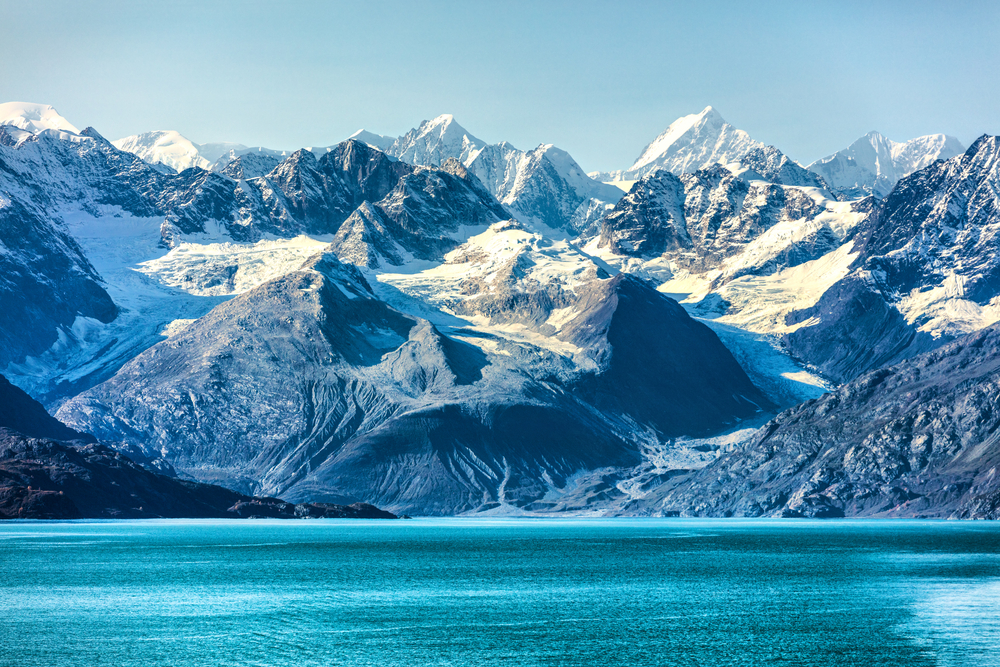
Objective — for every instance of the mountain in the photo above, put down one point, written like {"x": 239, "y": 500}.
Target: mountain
{"x": 720, "y": 225}
{"x": 925, "y": 270}
{"x": 50, "y": 471}
{"x": 918, "y": 439}
{"x": 873, "y": 164}
{"x": 544, "y": 185}
{"x": 34, "y": 118}
{"x": 379, "y": 141}
{"x": 310, "y": 386}
{"x": 165, "y": 147}
{"x": 47, "y": 281}
{"x": 171, "y": 149}
{"x": 690, "y": 143}
{"x": 71, "y": 201}
{"x": 48, "y": 479}
{"x": 436, "y": 140}
{"x": 19, "y": 412}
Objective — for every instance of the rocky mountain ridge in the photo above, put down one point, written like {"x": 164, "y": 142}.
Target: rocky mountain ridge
{"x": 343, "y": 325}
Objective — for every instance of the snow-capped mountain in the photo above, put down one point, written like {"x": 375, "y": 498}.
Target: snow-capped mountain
{"x": 690, "y": 143}
{"x": 434, "y": 141}
{"x": 542, "y": 186}
{"x": 926, "y": 270}
{"x": 873, "y": 164}
{"x": 172, "y": 149}
{"x": 703, "y": 140}
{"x": 34, "y": 118}
{"x": 492, "y": 330}
{"x": 720, "y": 225}
{"x": 48, "y": 283}
{"x": 169, "y": 148}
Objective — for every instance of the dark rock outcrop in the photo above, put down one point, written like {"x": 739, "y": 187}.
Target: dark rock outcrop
{"x": 19, "y": 412}
{"x": 918, "y": 439}
{"x": 46, "y": 479}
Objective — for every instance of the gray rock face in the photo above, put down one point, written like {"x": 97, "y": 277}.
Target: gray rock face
{"x": 311, "y": 388}
{"x": 915, "y": 439}
{"x": 926, "y": 251}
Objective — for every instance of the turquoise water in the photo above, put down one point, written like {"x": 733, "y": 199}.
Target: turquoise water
{"x": 512, "y": 592}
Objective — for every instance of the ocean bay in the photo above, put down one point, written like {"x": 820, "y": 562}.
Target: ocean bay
{"x": 471, "y": 591}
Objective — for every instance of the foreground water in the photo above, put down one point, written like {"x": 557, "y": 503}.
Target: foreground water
{"x": 520, "y": 592}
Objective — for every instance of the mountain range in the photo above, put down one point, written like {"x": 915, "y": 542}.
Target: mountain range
{"x": 438, "y": 325}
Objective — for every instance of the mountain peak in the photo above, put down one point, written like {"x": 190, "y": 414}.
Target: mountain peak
{"x": 873, "y": 164}
{"x": 693, "y": 142}
{"x": 34, "y": 118}
{"x": 435, "y": 140}
{"x": 168, "y": 147}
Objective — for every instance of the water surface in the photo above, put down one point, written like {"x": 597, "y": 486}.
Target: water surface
{"x": 516, "y": 592}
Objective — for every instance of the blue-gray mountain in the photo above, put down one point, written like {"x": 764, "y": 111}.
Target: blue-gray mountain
{"x": 921, "y": 438}
{"x": 50, "y": 471}
{"x": 310, "y": 387}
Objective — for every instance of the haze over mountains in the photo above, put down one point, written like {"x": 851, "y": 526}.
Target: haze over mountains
{"x": 436, "y": 324}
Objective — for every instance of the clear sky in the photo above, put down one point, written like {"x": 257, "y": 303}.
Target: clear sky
{"x": 599, "y": 79}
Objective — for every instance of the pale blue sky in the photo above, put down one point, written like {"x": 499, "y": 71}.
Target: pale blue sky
{"x": 599, "y": 79}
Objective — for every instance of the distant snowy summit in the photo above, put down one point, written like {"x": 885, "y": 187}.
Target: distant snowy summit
{"x": 873, "y": 164}
{"x": 690, "y": 143}
{"x": 699, "y": 141}
{"x": 171, "y": 148}
{"x": 34, "y": 118}
{"x": 542, "y": 186}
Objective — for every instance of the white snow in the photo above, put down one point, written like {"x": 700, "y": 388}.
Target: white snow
{"x": 34, "y": 118}
{"x": 168, "y": 147}
{"x": 875, "y": 163}
{"x": 944, "y": 310}
{"x": 379, "y": 141}
{"x": 690, "y": 143}
{"x": 227, "y": 269}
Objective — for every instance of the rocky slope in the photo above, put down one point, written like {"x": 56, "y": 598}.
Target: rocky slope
{"x": 309, "y": 386}
{"x": 873, "y": 164}
{"x": 916, "y": 439}
{"x": 721, "y": 224}
{"x": 925, "y": 271}
{"x": 50, "y": 471}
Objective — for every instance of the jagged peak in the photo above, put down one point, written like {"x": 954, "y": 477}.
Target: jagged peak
{"x": 987, "y": 142}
